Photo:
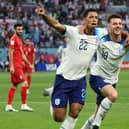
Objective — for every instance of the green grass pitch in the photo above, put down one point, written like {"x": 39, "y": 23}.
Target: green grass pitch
{"x": 117, "y": 117}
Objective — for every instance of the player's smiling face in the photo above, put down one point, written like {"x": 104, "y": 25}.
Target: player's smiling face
{"x": 91, "y": 20}
{"x": 19, "y": 30}
{"x": 115, "y": 26}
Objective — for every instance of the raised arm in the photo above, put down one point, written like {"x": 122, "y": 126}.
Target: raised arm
{"x": 50, "y": 21}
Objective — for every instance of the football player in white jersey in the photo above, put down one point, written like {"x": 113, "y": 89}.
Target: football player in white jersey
{"x": 70, "y": 82}
{"x": 104, "y": 74}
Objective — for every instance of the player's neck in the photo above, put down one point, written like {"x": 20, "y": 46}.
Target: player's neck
{"x": 115, "y": 38}
{"x": 88, "y": 31}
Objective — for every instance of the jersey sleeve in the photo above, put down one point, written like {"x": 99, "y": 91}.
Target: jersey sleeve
{"x": 100, "y": 32}
{"x": 11, "y": 43}
{"x": 70, "y": 30}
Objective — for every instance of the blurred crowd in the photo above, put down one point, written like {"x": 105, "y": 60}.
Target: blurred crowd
{"x": 66, "y": 11}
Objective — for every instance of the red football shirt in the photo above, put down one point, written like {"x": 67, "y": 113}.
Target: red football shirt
{"x": 29, "y": 52}
{"x": 16, "y": 44}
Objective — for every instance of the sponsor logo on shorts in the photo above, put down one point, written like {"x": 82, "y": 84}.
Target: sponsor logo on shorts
{"x": 57, "y": 101}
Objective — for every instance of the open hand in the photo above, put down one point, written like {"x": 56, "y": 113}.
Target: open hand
{"x": 12, "y": 69}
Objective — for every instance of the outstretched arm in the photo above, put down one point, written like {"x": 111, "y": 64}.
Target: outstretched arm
{"x": 50, "y": 21}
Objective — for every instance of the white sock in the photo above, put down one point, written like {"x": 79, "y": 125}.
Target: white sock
{"x": 51, "y": 109}
{"x": 69, "y": 123}
{"x": 88, "y": 123}
{"x": 104, "y": 107}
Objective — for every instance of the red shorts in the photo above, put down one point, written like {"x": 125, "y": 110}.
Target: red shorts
{"x": 18, "y": 76}
{"x": 27, "y": 69}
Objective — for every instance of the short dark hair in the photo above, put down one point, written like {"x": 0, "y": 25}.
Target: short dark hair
{"x": 114, "y": 16}
{"x": 17, "y": 25}
{"x": 89, "y": 10}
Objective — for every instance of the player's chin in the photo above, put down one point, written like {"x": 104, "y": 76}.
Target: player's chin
{"x": 117, "y": 31}
{"x": 19, "y": 34}
{"x": 93, "y": 25}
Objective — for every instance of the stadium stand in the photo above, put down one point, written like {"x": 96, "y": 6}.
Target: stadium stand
{"x": 67, "y": 13}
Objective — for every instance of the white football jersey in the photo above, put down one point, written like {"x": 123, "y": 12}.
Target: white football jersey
{"x": 61, "y": 51}
{"x": 109, "y": 58}
{"x": 78, "y": 54}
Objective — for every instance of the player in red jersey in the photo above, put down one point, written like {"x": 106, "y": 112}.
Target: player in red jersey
{"x": 29, "y": 52}
{"x": 16, "y": 57}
